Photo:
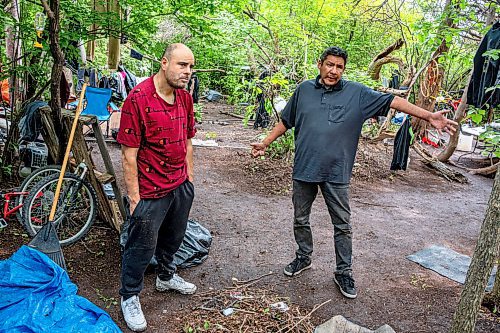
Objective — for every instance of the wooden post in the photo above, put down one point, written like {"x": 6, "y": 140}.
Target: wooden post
{"x": 114, "y": 38}
{"x": 49, "y": 133}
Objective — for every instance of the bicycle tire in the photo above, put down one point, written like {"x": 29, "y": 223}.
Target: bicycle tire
{"x": 73, "y": 219}
{"x": 30, "y": 181}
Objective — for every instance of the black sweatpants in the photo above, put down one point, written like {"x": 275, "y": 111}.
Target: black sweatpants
{"x": 157, "y": 227}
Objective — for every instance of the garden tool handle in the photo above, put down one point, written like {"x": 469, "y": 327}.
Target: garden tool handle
{"x": 66, "y": 154}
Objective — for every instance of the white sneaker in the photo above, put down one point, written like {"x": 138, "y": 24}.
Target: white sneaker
{"x": 175, "y": 283}
{"x": 132, "y": 312}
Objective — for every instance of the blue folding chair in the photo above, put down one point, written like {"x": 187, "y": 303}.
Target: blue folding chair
{"x": 97, "y": 104}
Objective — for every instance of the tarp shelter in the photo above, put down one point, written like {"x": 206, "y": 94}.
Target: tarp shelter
{"x": 36, "y": 295}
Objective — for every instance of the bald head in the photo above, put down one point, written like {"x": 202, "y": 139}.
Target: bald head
{"x": 176, "y": 48}
{"x": 177, "y": 65}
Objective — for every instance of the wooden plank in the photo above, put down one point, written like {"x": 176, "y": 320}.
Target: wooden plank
{"x": 85, "y": 119}
{"x": 49, "y": 134}
{"x": 104, "y": 178}
{"x": 109, "y": 167}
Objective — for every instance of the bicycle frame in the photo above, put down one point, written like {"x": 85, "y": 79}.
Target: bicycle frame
{"x": 73, "y": 192}
{"x": 6, "y": 198}
{"x": 6, "y": 212}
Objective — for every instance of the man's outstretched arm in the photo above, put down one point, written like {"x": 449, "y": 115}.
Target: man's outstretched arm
{"x": 258, "y": 149}
{"x": 436, "y": 119}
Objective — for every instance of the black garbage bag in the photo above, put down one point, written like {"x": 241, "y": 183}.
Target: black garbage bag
{"x": 195, "y": 246}
{"x": 404, "y": 137}
{"x": 193, "y": 250}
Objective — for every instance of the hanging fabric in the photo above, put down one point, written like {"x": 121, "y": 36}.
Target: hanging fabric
{"x": 404, "y": 137}
{"x": 486, "y": 72}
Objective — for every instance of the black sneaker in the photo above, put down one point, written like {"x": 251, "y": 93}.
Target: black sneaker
{"x": 297, "y": 266}
{"x": 346, "y": 284}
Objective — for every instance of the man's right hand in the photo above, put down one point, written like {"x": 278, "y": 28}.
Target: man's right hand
{"x": 133, "y": 201}
{"x": 258, "y": 149}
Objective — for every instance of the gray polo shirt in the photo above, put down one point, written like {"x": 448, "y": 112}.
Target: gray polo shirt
{"x": 327, "y": 125}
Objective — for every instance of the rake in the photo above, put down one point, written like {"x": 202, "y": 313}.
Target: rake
{"x": 46, "y": 240}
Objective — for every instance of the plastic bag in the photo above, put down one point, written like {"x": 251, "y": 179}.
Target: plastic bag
{"x": 193, "y": 250}
{"x": 402, "y": 142}
{"x": 195, "y": 246}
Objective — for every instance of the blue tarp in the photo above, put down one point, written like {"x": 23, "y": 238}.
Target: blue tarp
{"x": 448, "y": 263}
{"x": 36, "y": 295}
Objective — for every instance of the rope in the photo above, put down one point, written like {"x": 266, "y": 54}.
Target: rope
{"x": 432, "y": 74}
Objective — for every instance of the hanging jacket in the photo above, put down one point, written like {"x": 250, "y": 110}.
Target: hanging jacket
{"x": 486, "y": 72}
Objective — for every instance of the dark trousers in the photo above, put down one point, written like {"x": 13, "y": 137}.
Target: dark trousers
{"x": 337, "y": 200}
{"x": 157, "y": 227}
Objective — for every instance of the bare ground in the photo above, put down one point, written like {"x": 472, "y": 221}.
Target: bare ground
{"x": 246, "y": 203}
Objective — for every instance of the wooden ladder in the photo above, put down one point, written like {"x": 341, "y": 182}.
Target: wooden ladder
{"x": 112, "y": 211}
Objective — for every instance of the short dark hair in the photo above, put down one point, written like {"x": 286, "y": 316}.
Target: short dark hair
{"x": 334, "y": 51}
{"x": 169, "y": 50}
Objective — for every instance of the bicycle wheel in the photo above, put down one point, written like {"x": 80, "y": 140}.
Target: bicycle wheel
{"x": 76, "y": 207}
{"x": 30, "y": 181}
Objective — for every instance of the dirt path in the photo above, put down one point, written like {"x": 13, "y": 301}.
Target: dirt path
{"x": 392, "y": 217}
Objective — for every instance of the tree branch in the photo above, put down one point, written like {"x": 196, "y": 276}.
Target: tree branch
{"x": 46, "y": 7}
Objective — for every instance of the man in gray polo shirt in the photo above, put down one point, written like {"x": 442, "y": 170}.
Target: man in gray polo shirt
{"x": 328, "y": 114}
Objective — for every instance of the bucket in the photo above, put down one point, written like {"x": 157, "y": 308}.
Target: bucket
{"x": 465, "y": 142}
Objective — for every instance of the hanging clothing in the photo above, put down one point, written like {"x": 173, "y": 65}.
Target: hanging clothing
{"x": 262, "y": 118}
{"x": 486, "y": 72}
{"x": 402, "y": 142}
{"x": 194, "y": 88}
{"x": 5, "y": 91}
{"x": 93, "y": 82}
{"x": 64, "y": 90}
{"x": 81, "y": 79}
{"x": 136, "y": 55}
{"x": 30, "y": 125}
{"x": 117, "y": 85}
{"x": 130, "y": 79}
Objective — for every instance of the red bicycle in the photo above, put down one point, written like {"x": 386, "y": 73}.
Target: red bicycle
{"x": 11, "y": 206}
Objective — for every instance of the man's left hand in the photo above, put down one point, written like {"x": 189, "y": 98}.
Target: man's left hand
{"x": 439, "y": 121}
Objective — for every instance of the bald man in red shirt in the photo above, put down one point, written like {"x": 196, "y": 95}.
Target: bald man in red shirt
{"x": 156, "y": 127}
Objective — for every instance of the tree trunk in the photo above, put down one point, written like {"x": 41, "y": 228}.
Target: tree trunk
{"x": 13, "y": 53}
{"x": 384, "y": 58}
{"x": 462, "y": 107}
{"x": 57, "y": 67}
{"x": 429, "y": 90}
{"x": 114, "y": 38}
{"x": 479, "y": 271}
{"x": 458, "y": 117}
{"x": 431, "y": 84}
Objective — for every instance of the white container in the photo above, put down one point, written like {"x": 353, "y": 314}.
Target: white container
{"x": 465, "y": 142}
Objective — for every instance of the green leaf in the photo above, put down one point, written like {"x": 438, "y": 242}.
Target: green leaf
{"x": 476, "y": 118}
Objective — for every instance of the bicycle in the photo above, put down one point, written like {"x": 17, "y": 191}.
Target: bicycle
{"x": 29, "y": 182}
{"x": 77, "y": 205}
{"x": 6, "y": 198}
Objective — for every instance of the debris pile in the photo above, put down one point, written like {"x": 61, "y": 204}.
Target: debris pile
{"x": 244, "y": 308}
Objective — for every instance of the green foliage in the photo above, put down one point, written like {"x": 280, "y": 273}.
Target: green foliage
{"x": 493, "y": 54}
{"x": 283, "y": 147}
{"x": 491, "y": 141}
{"x": 476, "y": 115}
{"x": 361, "y": 77}
{"x": 197, "y": 113}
